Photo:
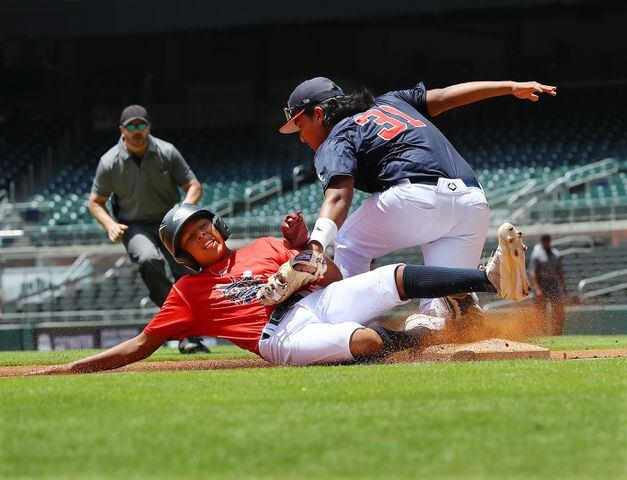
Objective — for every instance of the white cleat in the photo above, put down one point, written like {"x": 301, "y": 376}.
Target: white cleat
{"x": 419, "y": 322}
{"x": 506, "y": 267}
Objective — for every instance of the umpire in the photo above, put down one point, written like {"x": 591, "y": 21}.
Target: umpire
{"x": 142, "y": 175}
{"x": 547, "y": 279}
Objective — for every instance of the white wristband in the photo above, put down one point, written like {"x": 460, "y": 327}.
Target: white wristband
{"x": 324, "y": 232}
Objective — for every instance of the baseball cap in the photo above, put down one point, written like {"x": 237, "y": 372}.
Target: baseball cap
{"x": 134, "y": 112}
{"x": 307, "y": 94}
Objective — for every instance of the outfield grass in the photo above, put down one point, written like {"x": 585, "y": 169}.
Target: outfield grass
{"x": 583, "y": 342}
{"x": 514, "y": 419}
{"x": 64, "y": 356}
{"x": 570, "y": 342}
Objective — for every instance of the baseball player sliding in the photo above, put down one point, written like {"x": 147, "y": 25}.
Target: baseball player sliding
{"x": 424, "y": 192}
{"x": 323, "y": 325}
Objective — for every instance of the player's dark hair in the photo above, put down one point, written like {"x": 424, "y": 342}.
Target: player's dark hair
{"x": 338, "y": 108}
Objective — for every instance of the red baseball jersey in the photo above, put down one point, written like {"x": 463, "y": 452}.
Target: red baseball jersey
{"x": 221, "y": 301}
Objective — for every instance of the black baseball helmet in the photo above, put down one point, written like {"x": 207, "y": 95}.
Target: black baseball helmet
{"x": 172, "y": 226}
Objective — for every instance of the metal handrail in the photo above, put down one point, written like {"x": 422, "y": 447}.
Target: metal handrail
{"x": 524, "y": 209}
{"x": 587, "y": 239}
{"x": 263, "y": 189}
{"x": 501, "y": 194}
{"x": 298, "y": 175}
{"x": 567, "y": 181}
{"x": 573, "y": 250}
{"x": 70, "y": 276}
{"x": 223, "y": 208}
{"x": 7, "y": 207}
{"x": 533, "y": 186}
{"x": 602, "y": 291}
{"x": 528, "y": 188}
{"x": 599, "y": 278}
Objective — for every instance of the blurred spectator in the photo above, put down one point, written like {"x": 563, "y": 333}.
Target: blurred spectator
{"x": 547, "y": 280}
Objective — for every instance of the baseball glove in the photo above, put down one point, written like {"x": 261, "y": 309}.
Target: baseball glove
{"x": 295, "y": 230}
{"x": 303, "y": 269}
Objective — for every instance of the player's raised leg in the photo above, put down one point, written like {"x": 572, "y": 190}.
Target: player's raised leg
{"x": 460, "y": 247}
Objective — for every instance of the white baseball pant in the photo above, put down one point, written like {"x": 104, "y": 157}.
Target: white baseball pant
{"x": 449, "y": 221}
{"x": 318, "y": 328}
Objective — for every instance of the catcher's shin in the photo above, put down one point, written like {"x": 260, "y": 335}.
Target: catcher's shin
{"x": 303, "y": 269}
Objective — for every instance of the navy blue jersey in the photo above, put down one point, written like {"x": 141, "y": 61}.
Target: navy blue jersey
{"x": 390, "y": 142}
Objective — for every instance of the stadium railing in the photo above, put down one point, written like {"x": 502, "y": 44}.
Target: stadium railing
{"x": 603, "y": 280}
{"x": 262, "y": 190}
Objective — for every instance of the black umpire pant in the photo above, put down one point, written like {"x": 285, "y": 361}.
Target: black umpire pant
{"x": 553, "y": 294}
{"x": 144, "y": 247}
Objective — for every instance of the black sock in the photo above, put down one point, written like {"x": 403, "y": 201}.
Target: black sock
{"x": 432, "y": 282}
{"x": 393, "y": 340}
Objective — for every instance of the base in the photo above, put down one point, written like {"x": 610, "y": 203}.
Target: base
{"x": 492, "y": 349}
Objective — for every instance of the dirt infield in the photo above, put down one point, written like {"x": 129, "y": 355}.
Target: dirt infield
{"x": 165, "y": 366}
{"x": 587, "y": 354}
{"x": 462, "y": 354}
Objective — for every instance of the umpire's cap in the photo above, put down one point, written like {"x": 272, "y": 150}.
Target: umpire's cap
{"x": 134, "y": 112}
{"x": 306, "y": 95}
{"x": 172, "y": 226}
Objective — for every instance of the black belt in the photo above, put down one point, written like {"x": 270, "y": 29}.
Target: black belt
{"x": 469, "y": 182}
{"x": 282, "y": 308}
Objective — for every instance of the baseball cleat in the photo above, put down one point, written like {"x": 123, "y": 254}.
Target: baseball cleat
{"x": 462, "y": 309}
{"x": 192, "y": 345}
{"x": 418, "y": 323}
{"x": 506, "y": 267}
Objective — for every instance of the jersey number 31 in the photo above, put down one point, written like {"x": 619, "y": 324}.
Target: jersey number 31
{"x": 395, "y": 127}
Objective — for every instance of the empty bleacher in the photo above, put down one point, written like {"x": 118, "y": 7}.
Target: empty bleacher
{"x": 120, "y": 288}
{"x": 26, "y": 143}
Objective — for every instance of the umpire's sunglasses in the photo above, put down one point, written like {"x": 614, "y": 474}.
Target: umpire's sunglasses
{"x": 136, "y": 126}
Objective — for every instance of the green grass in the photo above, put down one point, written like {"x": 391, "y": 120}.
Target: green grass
{"x": 571, "y": 342}
{"x": 64, "y": 356}
{"x": 583, "y": 342}
{"x": 474, "y": 420}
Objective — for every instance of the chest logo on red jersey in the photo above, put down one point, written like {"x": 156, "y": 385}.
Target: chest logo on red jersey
{"x": 241, "y": 290}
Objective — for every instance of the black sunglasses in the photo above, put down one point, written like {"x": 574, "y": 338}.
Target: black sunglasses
{"x": 291, "y": 112}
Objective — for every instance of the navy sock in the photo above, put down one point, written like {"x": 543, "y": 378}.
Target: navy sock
{"x": 432, "y": 282}
{"x": 393, "y": 340}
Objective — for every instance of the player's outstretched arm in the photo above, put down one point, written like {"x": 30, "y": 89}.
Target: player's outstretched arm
{"x": 131, "y": 351}
{"x": 440, "y": 100}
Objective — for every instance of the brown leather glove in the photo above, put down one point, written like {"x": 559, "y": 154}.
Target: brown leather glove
{"x": 304, "y": 269}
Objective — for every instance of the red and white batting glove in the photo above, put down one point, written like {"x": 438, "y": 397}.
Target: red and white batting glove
{"x": 295, "y": 230}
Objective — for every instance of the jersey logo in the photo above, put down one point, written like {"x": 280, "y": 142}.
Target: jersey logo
{"x": 241, "y": 290}
{"x": 395, "y": 126}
